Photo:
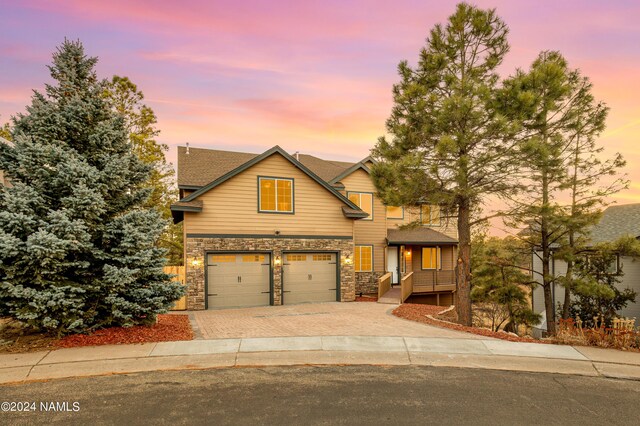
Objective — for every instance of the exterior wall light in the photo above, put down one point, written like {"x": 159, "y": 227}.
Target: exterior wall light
{"x": 347, "y": 260}
{"x": 196, "y": 262}
{"x": 277, "y": 261}
{"x": 407, "y": 254}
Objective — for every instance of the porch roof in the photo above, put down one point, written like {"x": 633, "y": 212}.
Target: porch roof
{"x": 418, "y": 236}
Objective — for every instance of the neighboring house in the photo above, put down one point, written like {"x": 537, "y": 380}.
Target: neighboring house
{"x": 616, "y": 222}
{"x": 272, "y": 229}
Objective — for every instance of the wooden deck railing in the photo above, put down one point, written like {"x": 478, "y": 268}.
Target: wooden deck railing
{"x": 384, "y": 284}
{"x": 406, "y": 287}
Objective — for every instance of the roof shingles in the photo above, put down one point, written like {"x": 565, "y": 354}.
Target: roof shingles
{"x": 202, "y": 166}
{"x": 617, "y": 222}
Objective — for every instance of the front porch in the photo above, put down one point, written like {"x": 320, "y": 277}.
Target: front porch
{"x": 420, "y": 262}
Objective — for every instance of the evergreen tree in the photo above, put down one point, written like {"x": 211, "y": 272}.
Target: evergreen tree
{"x": 596, "y": 284}
{"x": 140, "y": 123}
{"x": 77, "y": 247}
{"x": 587, "y": 194}
{"x": 448, "y": 143}
{"x": 559, "y": 121}
{"x": 500, "y": 283}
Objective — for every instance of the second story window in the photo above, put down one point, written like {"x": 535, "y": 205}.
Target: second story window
{"x": 364, "y": 200}
{"x": 275, "y": 195}
{"x": 394, "y": 212}
{"x": 430, "y": 215}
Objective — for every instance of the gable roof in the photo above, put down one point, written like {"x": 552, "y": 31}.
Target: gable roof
{"x": 325, "y": 169}
{"x": 347, "y": 172}
{"x": 616, "y": 222}
{"x": 197, "y": 167}
{"x": 256, "y": 159}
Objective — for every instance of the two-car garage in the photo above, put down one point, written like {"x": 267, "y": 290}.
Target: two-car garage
{"x": 245, "y": 279}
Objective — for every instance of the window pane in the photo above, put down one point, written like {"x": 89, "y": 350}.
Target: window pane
{"x": 425, "y": 211}
{"x": 430, "y": 215}
{"x": 435, "y": 215}
{"x": 367, "y": 204}
{"x": 285, "y": 196}
{"x": 321, "y": 257}
{"x": 366, "y": 258}
{"x": 296, "y": 258}
{"x": 430, "y": 258}
{"x": 355, "y": 198}
{"x": 222, "y": 258}
{"x": 253, "y": 258}
{"x": 394, "y": 212}
{"x": 267, "y": 194}
{"x": 363, "y": 259}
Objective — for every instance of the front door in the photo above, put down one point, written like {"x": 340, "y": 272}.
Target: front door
{"x": 392, "y": 263}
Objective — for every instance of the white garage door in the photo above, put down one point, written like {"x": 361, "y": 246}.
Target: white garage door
{"x": 238, "y": 280}
{"x": 309, "y": 277}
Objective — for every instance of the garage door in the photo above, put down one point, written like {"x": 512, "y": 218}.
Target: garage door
{"x": 238, "y": 280}
{"x": 309, "y": 277}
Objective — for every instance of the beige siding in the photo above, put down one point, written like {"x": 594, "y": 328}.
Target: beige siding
{"x": 412, "y": 215}
{"x": 232, "y": 207}
{"x": 369, "y": 231}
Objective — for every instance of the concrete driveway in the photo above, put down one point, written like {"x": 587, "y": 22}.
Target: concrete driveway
{"x": 314, "y": 319}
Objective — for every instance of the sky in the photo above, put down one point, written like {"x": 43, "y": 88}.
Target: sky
{"x": 310, "y": 76}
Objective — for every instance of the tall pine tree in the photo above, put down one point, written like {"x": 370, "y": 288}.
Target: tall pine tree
{"x": 560, "y": 121}
{"x": 77, "y": 248}
{"x": 448, "y": 143}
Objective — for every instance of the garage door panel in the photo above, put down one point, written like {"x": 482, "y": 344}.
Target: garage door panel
{"x": 238, "y": 280}
{"x": 309, "y": 277}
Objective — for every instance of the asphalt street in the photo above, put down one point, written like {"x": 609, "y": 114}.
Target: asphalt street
{"x": 326, "y": 395}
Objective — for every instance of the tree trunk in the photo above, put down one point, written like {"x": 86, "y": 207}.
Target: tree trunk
{"x": 463, "y": 273}
{"x": 547, "y": 279}
{"x": 567, "y": 290}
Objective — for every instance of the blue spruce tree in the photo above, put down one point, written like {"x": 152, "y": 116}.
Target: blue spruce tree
{"x": 76, "y": 246}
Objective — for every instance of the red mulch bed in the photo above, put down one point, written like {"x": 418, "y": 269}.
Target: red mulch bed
{"x": 416, "y": 312}
{"x": 366, "y": 298}
{"x": 168, "y": 328}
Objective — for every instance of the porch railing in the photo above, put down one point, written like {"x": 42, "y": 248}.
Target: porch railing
{"x": 434, "y": 280}
{"x": 384, "y": 284}
{"x": 406, "y": 287}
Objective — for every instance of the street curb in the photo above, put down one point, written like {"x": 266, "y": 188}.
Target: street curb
{"x": 319, "y": 351}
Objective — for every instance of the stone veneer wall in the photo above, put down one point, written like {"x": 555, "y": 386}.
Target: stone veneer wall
{"x": 197, "y": 247}
{"x": 367, "y": 282}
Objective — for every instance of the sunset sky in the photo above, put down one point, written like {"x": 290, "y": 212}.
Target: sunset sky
{"x": 310, "y": 76}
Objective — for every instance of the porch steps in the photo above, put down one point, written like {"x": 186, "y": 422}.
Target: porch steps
{"x": 391, "y": 297}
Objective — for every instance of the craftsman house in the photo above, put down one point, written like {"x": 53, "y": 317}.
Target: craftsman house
{"x": 275, "y": 228}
